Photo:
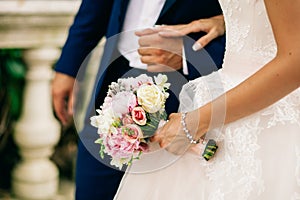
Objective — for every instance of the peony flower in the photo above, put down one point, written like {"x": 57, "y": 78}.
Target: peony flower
{"x": 116, "y": 145}
{"x": 126, "y": 119}
{"x": 151, "y": 98}
{"x": 123, "y": 102}
{"x": 123, "y": 143}
{"x": 139, "y": 115}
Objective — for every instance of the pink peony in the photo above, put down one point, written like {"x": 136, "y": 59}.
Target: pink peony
{"x": 123, "y": 102}
{"x": 124, "y": 143}
{"x": 126, "y": 119}
{"x": 139, "y": 115}
{"x": 118, "y": 146}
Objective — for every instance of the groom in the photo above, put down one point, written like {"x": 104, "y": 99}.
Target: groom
{"x": 96, "y": 19}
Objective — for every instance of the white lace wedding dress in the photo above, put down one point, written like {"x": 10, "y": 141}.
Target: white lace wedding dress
{"x": 258, "y": 156}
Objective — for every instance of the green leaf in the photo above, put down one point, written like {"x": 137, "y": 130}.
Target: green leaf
{"x": 153, "y": 120}
{"x": 15, "y": 69}
{"x": 15, "y": 100}
{"x": 98, "y": 141}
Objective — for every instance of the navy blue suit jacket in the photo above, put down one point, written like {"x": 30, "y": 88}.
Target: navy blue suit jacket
{"x": 98, "y": 18}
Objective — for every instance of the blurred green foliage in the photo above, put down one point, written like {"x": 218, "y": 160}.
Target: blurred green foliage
{"x": 12, "y": 80}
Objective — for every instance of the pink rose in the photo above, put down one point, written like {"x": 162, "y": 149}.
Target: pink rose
{"x": 139, "y": 115}
{"x": 132, "y": 132}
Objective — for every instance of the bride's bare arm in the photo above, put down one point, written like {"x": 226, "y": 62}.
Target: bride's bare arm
{"x": 275, "y": 80}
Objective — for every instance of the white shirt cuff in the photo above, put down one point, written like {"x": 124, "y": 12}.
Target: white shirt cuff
{"x": 184, "y": 63}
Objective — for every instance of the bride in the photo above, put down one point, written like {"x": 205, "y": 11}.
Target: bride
{"x": 255, "y": 123}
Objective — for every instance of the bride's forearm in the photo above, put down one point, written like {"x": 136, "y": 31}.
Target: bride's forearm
{"x": 275, "y": 80}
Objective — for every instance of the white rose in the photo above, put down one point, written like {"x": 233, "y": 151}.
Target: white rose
{"x": 151, "y": 98}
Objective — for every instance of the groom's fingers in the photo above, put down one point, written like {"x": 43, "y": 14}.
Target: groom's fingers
{"x": 159, "y": 60}
{"x": 62, "y": 90}
{"x": 159, "y": 68}
{"x": 71, "y": 104}
{"x": 59, "y": 104}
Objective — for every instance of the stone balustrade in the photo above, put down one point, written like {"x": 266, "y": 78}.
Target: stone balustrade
{"x": 39, "y": 27}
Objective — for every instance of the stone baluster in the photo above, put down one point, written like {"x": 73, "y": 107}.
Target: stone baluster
{"x": 37, "y": 131}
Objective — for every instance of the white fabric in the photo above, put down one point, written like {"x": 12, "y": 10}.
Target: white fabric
{"x": 140, "y": 14}
{"x": 185, "y": 69}
{"x": 258, "y": 156}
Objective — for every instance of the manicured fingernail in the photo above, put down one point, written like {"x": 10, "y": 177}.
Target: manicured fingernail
{"x": 197, "y": 46}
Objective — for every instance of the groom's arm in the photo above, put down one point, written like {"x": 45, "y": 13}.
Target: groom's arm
{"x": 89, "y": 26}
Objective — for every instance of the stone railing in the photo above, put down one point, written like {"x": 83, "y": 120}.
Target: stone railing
{"x": 39, "y": 27}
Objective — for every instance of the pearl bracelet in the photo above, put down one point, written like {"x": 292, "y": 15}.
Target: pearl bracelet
{"x": 186, "y": 131}
{"x": 210, "y": 146}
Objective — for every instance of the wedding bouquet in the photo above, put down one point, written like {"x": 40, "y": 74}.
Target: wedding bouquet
{"x": 131, "y": 113}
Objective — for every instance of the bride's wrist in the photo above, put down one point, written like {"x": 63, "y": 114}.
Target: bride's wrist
{"x": 197, "y": 119}
{"x": 193, "y": 127}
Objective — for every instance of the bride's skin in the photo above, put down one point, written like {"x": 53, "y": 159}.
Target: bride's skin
{"x": 213, "y": 27}
{"x": 272, "y": 82}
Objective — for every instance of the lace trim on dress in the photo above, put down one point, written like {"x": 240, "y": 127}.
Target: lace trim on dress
{"x": 285, "y": 110}
{"x": 242, "y": 168}
{"x": 238, "y": 140}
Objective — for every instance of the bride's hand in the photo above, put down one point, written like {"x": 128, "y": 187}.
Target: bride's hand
{"x": 213, "y": 27}
{"x": 171, "y": 136}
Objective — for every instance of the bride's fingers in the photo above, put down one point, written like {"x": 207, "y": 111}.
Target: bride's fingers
{"x": 172, "y": 33}
{"x": 162, "y": 144}
{"x": 193, "y": 27}
{"x": 157, "y": 136}
{"x": 147, "y": 31}
{"x": 204, "y": 40}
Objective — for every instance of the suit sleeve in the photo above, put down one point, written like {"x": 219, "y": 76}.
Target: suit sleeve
{"x": 206, "y": 60}
{"x": 89, "y": 26}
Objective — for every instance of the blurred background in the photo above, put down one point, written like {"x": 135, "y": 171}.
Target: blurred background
{"x": 37, "y": 154}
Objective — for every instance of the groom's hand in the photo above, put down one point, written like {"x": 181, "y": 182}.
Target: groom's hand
{"x": 62, "y": 94}
{"x": 161, "y": 54}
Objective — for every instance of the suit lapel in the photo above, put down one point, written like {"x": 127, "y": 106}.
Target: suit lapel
{"x": 166, "y": 6}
